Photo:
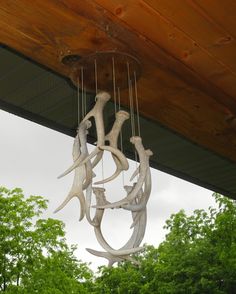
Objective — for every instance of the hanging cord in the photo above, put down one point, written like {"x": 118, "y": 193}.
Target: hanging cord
{"x": 114, "y": 82}
{"x": 137, "y": 104}
{"x": 85, "y": 102}
{"x": 133, "y": 121}
{"x": 131, "y": 102}
{"x": 121, "y": 137}
{"x": 132, "y": 107}
{"x": 82, "y": 90}
{"x": 96, "y": 89}
{"x": 78, "y": 102}
{"x": 137, "y": 114}
{"x": 96, "y": 76}
{"x": 115, "y": 101}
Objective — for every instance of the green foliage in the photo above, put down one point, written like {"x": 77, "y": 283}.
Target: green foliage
{"x": 122, "y": 279}
{"x": 198, "y": 256}
{"x": 199, "y": 253}
{"x": 34, "y": 256}
{"x": 59, "y": 273}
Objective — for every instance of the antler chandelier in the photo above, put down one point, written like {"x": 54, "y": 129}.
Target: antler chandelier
{"x": 102, "y": 72}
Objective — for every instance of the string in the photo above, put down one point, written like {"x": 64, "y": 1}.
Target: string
{"x": 137, "y": 115}
{"x": 137, "y": 104}
{"x": 82, "y": 89}
{"x": 78, "y": 102}
{"x": 131, "y": 102}
{"x": 85, "y": 102}
{"x": 121, "y": 136}
{"x": 114, "y": 81}
{"x": 118, "y": 92}
{"x": 96, "y": 89}
{"x": 102, "y": 171}
{"x": 96, "y": 76}
{"x": 132, "y": 107}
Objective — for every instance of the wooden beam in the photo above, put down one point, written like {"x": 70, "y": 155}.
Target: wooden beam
{"x": 173, "y": 90}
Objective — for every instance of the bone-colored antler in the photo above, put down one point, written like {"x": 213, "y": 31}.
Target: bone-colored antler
{"x": 112, "y": 138}
{"x": 101, "y": 200}
{"x": 83, "y": 131}
{"x": 137, "y": 195}
{"x": 147, "y": 190}
{"x": 116, "y": 152}
{"x": 97, "y": 112}
{"x": 88, "y": 168}
{"x": 111, "y": 258}
{"x": 77, "y": 186}
{"x": 137, "y": 141}
{"x": 134, "y": 241}
{"x": 140, "y": 226}
{"x": 82, "y": 137}
{"x": 140, "y": 206}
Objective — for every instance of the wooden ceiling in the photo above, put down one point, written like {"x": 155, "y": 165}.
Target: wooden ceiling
{"x": 187, "y": 50}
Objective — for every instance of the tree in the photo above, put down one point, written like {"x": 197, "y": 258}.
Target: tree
{"x": 198, "y": 256}
{"x": 34, "y": 256}
{"x": 59, "y": 273}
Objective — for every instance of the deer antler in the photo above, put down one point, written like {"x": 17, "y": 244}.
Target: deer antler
{"x": 101, "y": 200}
{"x": 134, "y": 241}
{"x": 82, "y": 137}
{"x": 137, "y": 141}
{"x": 112, "y": 138}
{"x": 97, "y": 112}
{"x": 112, "y": 258}
{"x": 137, "y": 194}
{"x": 147, "y": 190}
{"x": 116, "y": 152}
{"x": 139, "y": 227}
{"x": 77, "y": 186}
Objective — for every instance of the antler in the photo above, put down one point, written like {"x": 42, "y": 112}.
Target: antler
{"x": 137, "y": 141}
{"x": 97, "y": 112}
{"x": 137, "y": 194}
{"x": 132, "y": 244}
{"x": 101, "y": 200}
{"x": 77, "y": 186}
{"x": 112, "y": 138}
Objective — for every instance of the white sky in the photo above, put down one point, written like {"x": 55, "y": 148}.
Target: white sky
{"x": 33, "y": 156}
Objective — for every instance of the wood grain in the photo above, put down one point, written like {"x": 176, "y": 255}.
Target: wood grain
{"x": 146, "y": 17}
{"x": 183, "y": 86}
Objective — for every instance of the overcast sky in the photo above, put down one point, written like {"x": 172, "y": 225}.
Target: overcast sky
{"x": 33, "y": 156}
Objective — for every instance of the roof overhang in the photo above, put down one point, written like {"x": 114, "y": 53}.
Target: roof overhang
{"x": 188, "y": 84}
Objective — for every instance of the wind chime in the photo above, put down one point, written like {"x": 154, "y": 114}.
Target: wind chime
{"x": 102, "y": 73}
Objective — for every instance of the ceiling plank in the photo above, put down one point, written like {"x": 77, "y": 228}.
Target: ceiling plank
{"x": 222, "y": 12}
{"x": 150, "y": 23}
{"x": 166, "y": 96}
{"x": 196, "y": 22}
{"x": 36, "y": 30}
{"x": 144, "y": 48}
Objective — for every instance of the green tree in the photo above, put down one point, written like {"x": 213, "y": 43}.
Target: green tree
{"x": 59, "y": 273}
{"x": 199, "y": 253}
{"x": 198, "y": 256}
{"x": 34, "y": 256}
